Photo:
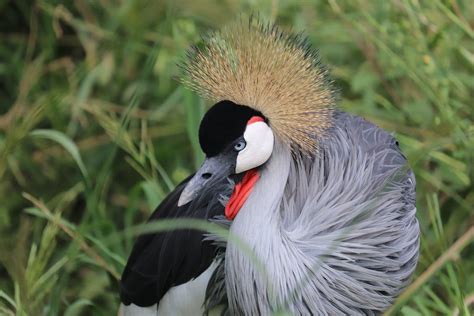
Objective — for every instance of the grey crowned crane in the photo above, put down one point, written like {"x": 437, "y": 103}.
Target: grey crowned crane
{"x": 323, "y": 198}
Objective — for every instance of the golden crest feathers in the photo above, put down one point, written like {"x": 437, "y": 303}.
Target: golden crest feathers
{"x": 278, "y": 74}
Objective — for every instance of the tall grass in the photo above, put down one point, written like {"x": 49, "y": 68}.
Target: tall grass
{"x": 95, "y": 131}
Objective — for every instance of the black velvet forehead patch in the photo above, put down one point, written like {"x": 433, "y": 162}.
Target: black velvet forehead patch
{"x": 223, "y": 123}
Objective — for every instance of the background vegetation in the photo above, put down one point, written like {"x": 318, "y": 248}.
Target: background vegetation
{"x": 95, "y": 130}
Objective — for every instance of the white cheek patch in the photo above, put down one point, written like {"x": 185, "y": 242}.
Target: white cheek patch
{"x": 259, "y": 138}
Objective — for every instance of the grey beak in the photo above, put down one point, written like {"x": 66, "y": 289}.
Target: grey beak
{"x": 212, "y": 169}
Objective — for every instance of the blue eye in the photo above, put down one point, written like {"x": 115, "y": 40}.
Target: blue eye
{"x": 240, "y": 145}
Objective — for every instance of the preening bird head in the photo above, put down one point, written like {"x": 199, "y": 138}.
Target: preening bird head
{"x": 235, "y": 139}
{"x": 266, "y": 85}
{"x": 238, "y": 132}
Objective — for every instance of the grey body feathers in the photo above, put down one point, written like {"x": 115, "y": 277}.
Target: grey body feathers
{"x": 337, "y": 234}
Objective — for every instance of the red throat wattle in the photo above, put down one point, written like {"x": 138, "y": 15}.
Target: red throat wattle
{"x": 240, "y": 194}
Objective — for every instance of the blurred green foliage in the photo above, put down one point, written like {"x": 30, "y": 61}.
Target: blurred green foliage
{"x": 95, "y": 130}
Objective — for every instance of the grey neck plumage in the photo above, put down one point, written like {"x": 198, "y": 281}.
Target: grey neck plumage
{"x": 259, "y": 220}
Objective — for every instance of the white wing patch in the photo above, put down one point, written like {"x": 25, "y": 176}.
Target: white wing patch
{"x": 186, "y": 299}
{"x": 134, "y": 310}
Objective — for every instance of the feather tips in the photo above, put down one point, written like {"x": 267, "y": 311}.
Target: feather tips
{"x": 276, "y": 73}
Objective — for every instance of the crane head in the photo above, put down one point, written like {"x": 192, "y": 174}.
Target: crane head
{"x": 266, "y": 85}
{"x": 278, "y": 74}
{"x": 235, "y": 139}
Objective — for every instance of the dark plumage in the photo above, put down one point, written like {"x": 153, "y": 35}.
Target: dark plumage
{"x": 162, "y": 260}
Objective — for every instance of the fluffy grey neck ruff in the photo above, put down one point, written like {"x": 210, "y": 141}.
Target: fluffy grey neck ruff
{"x": 337, "y": 234}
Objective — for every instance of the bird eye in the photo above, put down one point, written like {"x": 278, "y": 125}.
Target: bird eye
{"x": 240, "y": 145}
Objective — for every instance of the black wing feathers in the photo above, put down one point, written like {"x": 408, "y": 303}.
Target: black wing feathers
{"x": 162, "y": 260}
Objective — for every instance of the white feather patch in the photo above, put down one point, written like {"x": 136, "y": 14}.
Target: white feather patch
{"x": 259, "y": 138}
{"x": 186, "y": 299}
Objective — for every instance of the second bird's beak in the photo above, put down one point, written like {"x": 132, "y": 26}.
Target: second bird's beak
{"x": 212, "y": 170}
